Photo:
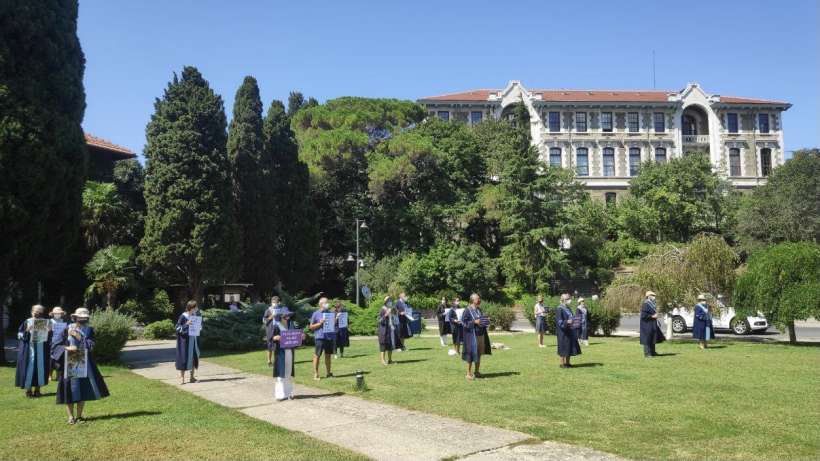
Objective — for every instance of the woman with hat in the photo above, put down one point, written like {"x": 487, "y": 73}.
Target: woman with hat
{"x": 567, "y": 340}
{"x": 58, "y": 331}
{"x": 33, "y": 352}
{"x": 650, "y": 331}
{"x": 582, "y": 313}
{"x": 267, "y": 321}
{"x": 74, "y": 388}
{"x": 476, "y": 339}
{"x": 187, "y": 346}
{"x": 283, "y": 359}
{"x": 702, "y": 328}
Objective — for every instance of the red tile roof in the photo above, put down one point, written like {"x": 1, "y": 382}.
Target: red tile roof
{"x": 474, "y": 95}
{"x": 736, "y": 100}
{"x": 94, "y": 141}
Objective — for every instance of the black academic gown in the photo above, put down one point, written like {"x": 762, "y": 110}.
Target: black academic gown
{"x": 455, "y": 327}
{"x": 187, "y": 347}
{"x": 443, "y": 323}
{"x": 650, "y": 331}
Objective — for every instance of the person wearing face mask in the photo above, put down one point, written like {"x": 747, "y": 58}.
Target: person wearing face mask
{"x": 650, "y": 331}
{"x": 33, "y": 353}
{"x": 58, "y": 331}
{"x": 187, "y": 345}
{"x": 283, "y": 369}
{"x": 476, "y": 339}
{"x": 540, "y": 311}
{"x": 702, "y": 328}
{"x": 404, "y": 320}
{"x": 71, "y": 390}
{"x": 443, "y": 322}
{"x": 455, "y": 326}
{"x": 324, "y": 339}
{"x": 389, "y": 339}
{"x": 582, "y": 313}
{"x": 566, "y": 338}
{"x": 267, "y": 321}
{"x": 342, "y": 333}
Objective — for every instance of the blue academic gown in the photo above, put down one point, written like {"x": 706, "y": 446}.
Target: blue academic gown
{"x": 187, "y": 347}
{"x": 650, "y": 331}
{"x": 567, "y": 340}
{"x": 342, "y": 334}
{"x": 472, "y": 334}
{"x": 33, "y": 360}
{"x": 702, "y": 328}
{"x": 583, "y": 329}
{"x": 92, "y": 387}
{"x": 389, "y": 338}
{"x": 455, "y": 326}
{"x": 279, "y": 370}
{"x": 57, "y": 348}
{"x": 404, "y": 321}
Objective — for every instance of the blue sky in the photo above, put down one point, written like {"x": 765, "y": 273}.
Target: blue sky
{"x": 419, "y": 48}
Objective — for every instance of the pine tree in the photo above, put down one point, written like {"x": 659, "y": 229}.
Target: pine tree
{"x": 295, "y": 102}
{"x": 297, "y": 224}
{"x": 254, "y": 189}
{"x": 190, "y": 227}
{"x": 42, "y": 150}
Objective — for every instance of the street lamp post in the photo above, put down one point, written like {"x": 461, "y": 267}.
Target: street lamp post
{"x": 360, "y": 224}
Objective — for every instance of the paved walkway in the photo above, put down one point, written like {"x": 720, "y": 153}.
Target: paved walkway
{"x": 380, "y": 431}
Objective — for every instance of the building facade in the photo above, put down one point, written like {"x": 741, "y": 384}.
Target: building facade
{"x": 604, "y": 135}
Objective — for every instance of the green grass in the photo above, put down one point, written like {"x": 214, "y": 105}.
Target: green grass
{"x": 736, "y": 401}
{"x": 144, "y": 420}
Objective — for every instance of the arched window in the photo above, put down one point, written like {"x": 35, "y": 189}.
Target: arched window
{"x": 690, "y": 125}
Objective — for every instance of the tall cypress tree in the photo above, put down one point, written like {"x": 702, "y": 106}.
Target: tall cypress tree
{"x": 190, "y": 227}
{"x": 298, "y": 248}
{"x": 296, "y": 100}
{"x": 253, "y": 189}
{"x": 42, "y": 150}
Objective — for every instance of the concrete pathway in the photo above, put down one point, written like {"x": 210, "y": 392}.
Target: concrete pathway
{"x": 380, "y": 431}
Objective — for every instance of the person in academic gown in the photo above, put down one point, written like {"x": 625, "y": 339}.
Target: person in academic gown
{"x": 443, "y": 323}
{"x": 342, "y": 334}
{"x": 389, "y": 337}
{"x": 283, "y": 359}
{"x": 33, "y": 358}
{"x": 77, "y": 391}
{"x": 404, "y": 320}
{"x": 476, "y": 339}
{"x": 267, "y": 321}
{"x": 187, "y": 346}
{"x": 582, "y": 312}
{"x": 540, "y": 312}
{"x": 565, "y": 335}
{"x": 702, "y": 328}
{"x": 455, "y": 326}
{"x": 650, "y": 330}
{"x": 58, "y": 332}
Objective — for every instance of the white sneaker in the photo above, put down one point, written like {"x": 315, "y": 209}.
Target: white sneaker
{"x": 541, "y": 345}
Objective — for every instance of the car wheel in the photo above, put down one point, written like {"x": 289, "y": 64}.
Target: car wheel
{"x": 740, "y": 327}
{"x": 678, "y": 324}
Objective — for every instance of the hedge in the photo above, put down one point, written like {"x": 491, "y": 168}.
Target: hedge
{"x": 164, "y": 329}
{"x": 111, "y": 331}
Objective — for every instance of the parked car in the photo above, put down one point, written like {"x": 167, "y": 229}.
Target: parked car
{"x": 683, "y": 319}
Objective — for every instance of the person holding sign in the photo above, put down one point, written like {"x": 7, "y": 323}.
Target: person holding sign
{"x": 283, "y": 353}
{"x": 582, "y": 313}
{"x": 389, "y": 338}
{"x": 33, "y": 352}
{"x": 702, "y": 328}
{"x": 342, "y": 335}
{"x": 442, "y": 313}
{"x": 187, "y": 341}
{"x": 81, "y": 381}
{"x": 456, "y": 311}
{"x": 567, "y": 340}
{"x": 540, "y": 311}
{"x": 58, "y": 331}
{"x": 476, "y": 339}
{"x": 267, "y": 321}
{"x": 405, "y": 317}
{"x": 323, "y": 325}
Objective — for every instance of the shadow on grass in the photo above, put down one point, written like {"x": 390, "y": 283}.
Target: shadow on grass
{"x": 351, "y": 356}
{"x": 666, "y": 354}
{"x": 130, "y": 414}
{"x": 587, "y": 365}
{"x": 797, "y": 344}
{"x": 499, "y": 374}
{"x": 409, "y": 361}
{"x": 715, "y": 347}
{"x": 214, "y": 380}
{"x": 47, "y": 394}
{"x": 419, "y": 349}
{"x": 316, "y": 396}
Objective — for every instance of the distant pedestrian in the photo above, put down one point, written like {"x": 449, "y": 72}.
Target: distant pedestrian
{"x": 476, "y": 339}
{"x": 582, "y": 313}
{"x": 284, "y": 358}
{"x": 702, "y": 328}
{"x": 651, "y": 333}
{"x": 342, "y": 333}
{"x": 33, "y": 352}
{"x": 455, "y": 325}
{"x": 443, "y": 322}
{"x": 389, "y": 339}
{"x": 187, "y": 346}
{"x": 267, "y": 321}
{"x": 403, "y": 309}
{"x": 540, "y": 311}
{"x": 324, "y": 340}
{"x": 567, "y": 341}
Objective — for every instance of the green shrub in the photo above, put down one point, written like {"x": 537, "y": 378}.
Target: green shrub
{"x": 527, "y": 302}
{"x": 501, "y": 317}
{"x": 164, "y": 329}
{"x": 601, "y": 318}
{"x": 145, "y": 311}
{"x": 448, "y": 268}
{"x": 233, "y": 331}
{"x": 364, "y": 321}
{"x": 427, "y": 305}
{"x": 111, "y": 331}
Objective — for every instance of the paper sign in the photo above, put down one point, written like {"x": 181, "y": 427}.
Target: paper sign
{"x": 289, "y": 339}
{"x": 57, "y": 328}
{"x": 39, "y": 330}
{"x": 446, "y": 313}
{"x": 342, "y": 319}
{"x": 76, "y": 363}
{"x": 460, "y": 313}
{"x": 196, "y": 325}
{"x": 408, "y": 312}
{"x": 484, "y": 321}
{"x": 329, "y": 325}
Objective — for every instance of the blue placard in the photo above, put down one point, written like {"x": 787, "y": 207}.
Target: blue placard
{"x": 330, "y": 322}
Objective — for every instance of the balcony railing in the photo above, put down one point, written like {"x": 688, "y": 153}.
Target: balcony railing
{"x": 696, "y": 139}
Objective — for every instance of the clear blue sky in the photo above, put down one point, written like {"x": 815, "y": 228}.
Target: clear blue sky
{"x": 419, "y": 48}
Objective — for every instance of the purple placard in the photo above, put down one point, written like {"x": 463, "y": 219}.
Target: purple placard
{"x": 290, "y": 339}
{"x": 484, "y": 321}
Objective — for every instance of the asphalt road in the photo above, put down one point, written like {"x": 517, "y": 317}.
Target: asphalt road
{"x": 806, "y": 331}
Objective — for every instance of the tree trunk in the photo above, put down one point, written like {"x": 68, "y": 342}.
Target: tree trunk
{"x": 195, "y": 289}
{"x": 2, "y": 326}
{"x": 109, "y": 296}
{"x": 792, "y": 333}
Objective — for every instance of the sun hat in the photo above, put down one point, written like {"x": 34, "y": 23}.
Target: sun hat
{"x": 56, "y": 310}
{"x": 81, "y": 313}
{"x": 650, "y": 293}
{"x": 580, "y": 300}
{"x": 701, "y": 297}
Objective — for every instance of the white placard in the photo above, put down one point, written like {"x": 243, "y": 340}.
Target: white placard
{"x": 446, "y": 313}
{"x": 460, "y": 313}
{"x": 408, "y": 312}
{"x": 196, "y": 325}
{"x": 39, "y": 330}
{"x": 342, "y": 319}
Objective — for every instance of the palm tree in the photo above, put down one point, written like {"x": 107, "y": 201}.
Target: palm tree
{"x": 109, "y": 270}
{"x": 102, "y": 213}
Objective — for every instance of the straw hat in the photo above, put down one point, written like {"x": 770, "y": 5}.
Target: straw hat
{"x": 701, "y": 297}
{"x": 650, "y": 293}
{"x": 56, "y": 310}
{"x": 81, "y": 313}
{"x": 580, "y": 300}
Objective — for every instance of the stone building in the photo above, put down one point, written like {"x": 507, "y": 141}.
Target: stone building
{"x": 605, "y": 135}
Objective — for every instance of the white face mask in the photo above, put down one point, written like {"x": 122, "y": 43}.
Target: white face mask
{"x": 58, "y": 316}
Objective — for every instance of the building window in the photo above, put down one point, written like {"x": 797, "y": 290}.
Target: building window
{"x": 763, "y": 123}
{"x": 610, "y": 198}
{"x": 444, "y": 115}
{"x": 660, "y": 155}
{"x": 555, "y": 157}
{"x": 731, "y": 122}
{"x": 632, "y": 122}
{"x": 475, "y": 117}
{"x": 734, "y": 162}
{"x": 659, "y": 118}
{"x": 554, "y": 122}
{"x": 609, "y": 161}
{"x": 581, "y": 161}
{"x": 606, "y": 122}
{"x": 765, "y": 162}
{"x": 581, "y": 122}
{"x": 634, "y": 161}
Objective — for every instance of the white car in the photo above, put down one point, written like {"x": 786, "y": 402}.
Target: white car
{"x": 683, "y": 319}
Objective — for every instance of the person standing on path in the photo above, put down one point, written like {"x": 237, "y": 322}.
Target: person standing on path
{"x": 702, "y": 328}
{"x": 567, "y": 341}
{"x": 33, "y": 354}
{"x": 456, "y": 326}
{"x": 187, "y": 345}
{"x": 283, "y": 359}
{"x": 324, "y": 340}
{"x": 342, "y": 333}
{"x": 443, "y": 321}
{"x": 540, "y": 320}
{"x": 583, "y": 315}
{"x": 476, "y": 340}
{"x": 76, "y": 390}
{"x": 388, "y": 331}
{"x": 650, "y": 330}
{"x": 267, "y": 321}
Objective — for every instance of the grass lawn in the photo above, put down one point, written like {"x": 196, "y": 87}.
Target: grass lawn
{"x": 144, "y": 419}
{"x": 738, "y": 400}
